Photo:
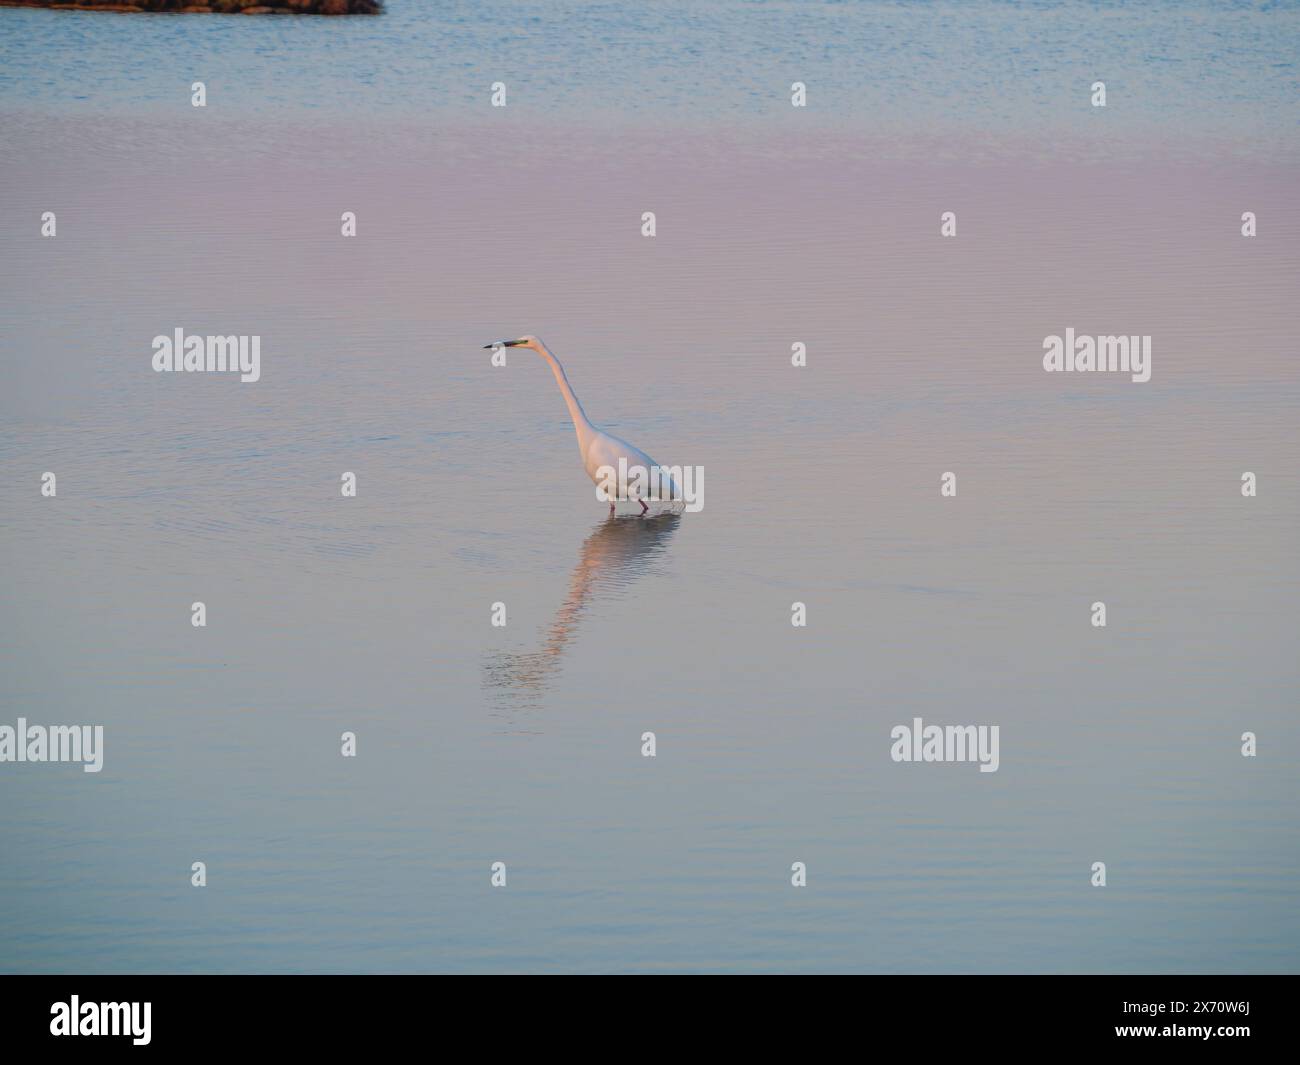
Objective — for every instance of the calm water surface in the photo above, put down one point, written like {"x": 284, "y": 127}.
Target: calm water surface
{"x": 522, "y": 744}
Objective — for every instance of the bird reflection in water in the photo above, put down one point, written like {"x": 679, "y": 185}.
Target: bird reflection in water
{"x": 616, "y": 552}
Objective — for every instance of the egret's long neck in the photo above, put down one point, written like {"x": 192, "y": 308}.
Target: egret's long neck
{"x": 581, "y": 423}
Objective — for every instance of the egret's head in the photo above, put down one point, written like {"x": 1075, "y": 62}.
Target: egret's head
{"x": 522, "y": 342}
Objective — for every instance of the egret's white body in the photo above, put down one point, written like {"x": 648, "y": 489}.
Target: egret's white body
{"x": 599, "y": 449}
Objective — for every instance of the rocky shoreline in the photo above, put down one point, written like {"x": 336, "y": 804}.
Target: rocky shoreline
{"x": 213, "y": 7}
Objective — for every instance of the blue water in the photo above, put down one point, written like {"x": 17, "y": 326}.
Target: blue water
{"x": 478, "y": 744}
{"x": 967, "y": 70}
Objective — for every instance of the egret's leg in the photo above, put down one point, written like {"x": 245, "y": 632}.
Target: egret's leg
{"x": 611, "y": 506}
{"x": 644, "y": 507}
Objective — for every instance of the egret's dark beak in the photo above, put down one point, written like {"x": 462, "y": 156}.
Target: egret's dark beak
{"x": 501, "y": 344}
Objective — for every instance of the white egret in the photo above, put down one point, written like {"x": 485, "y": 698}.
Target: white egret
{"x": 601, "y": 451}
